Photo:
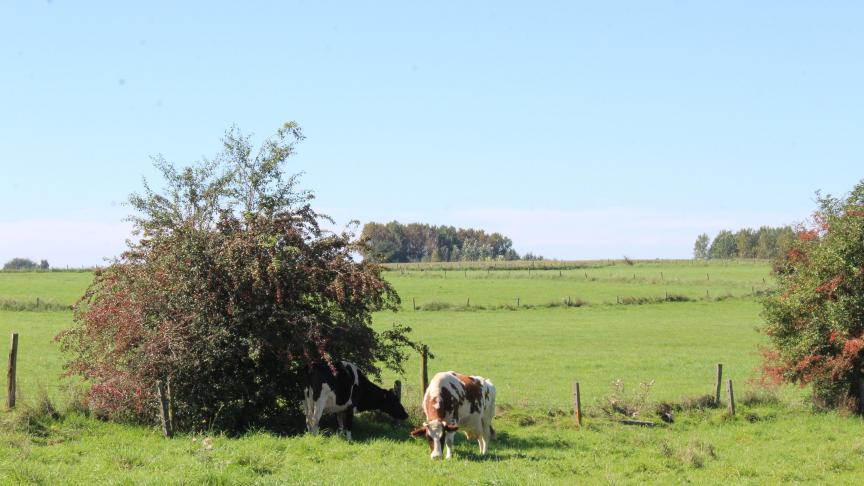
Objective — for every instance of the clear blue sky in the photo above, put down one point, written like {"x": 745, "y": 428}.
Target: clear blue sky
{"x": 581, "y": 130}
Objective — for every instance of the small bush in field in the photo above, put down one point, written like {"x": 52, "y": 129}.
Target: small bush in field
{"x": 232, "y": 291}
{"x": 620, "y": 404}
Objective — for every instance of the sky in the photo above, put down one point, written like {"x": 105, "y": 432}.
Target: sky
{"x": 580, "y": 130}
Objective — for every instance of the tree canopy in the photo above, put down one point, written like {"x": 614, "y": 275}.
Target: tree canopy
{"x": 416, "y": 242}
{"x": 25, "y": 264}
{"x": 232, "y": 291}
{"x": 767, "y": 242}
{"x": 815, "y": 320}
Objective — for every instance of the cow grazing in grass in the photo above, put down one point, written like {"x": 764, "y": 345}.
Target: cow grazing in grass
{"x": 343, "y": 393}
{"x": 454, "y": 401}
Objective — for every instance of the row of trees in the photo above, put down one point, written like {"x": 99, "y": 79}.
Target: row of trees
{"x": 766, "y": 242}
{"x": 25, "y": 264}
{"x": 416, "y": 242}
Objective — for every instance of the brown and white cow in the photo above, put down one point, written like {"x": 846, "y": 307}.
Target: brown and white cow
{"x": 454, "y": 401}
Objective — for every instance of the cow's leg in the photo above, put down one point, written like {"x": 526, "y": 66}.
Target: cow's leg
{"x": 483, "y": 440}
{"x": 317, "y": 412}
{"x": 448, "y": 443}
{"x": 340, "y": 417}
{"x": 311, "y": 423}
{"x": 349, "y": 421}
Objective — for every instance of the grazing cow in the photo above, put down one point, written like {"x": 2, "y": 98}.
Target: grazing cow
{"x": 453, "y": 401}
{"x": 344, "y": 393}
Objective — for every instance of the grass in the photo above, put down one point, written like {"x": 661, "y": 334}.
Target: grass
{"x": 532, "y": 354}
{"x": 58, "y": 287}
{"x": 594, "y": 285}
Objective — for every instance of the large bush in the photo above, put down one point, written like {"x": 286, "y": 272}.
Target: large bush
{"x": 815, "y": 321}
{"x": 231, "y": 292}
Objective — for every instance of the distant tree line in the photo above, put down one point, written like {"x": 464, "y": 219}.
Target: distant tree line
{"x": 766, "y": 242}
{"x": 25, "y": 264}
{"x": 417, "y": 242}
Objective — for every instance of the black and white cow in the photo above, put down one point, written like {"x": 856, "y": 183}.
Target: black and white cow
{"x": 344, "y": 393}
{"x": 454, "y": 401}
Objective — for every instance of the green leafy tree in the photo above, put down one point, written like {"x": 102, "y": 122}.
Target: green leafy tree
{"x": 20, "y": 264}
{"x": 700, "y": 248}
{"x": 231, "y": 293}
{"x": 815, "y": 321}
{"x": 745, "y": 243}
{"x": 417, "y": 242}
{"x": 724, "y": 245}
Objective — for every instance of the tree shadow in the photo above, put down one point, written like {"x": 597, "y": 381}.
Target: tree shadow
{"x": 506, "y": 446}
{"x": 371, "y": 426}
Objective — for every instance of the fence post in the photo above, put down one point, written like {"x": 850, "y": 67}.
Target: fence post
{"x": 577, "y": 404}
{"x": 413, "y": 303}
{"x": 10, "y": 377}
{"x": 397, "y": 390}
{"x": 517, "y": 301}
{"x": 718, "y": 383}
{"x": 424, "y": 371}
{"x": 170, "y": 397}
{"x": 731, "y": 396}
{"x": 163, "y": 410}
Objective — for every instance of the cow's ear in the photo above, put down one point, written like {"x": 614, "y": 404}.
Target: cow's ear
{"x": 418, "y": 432}
{"x": 451, "y": 427}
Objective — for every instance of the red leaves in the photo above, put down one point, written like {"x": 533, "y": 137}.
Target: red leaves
{"x": 794, "y": 255}
{"x": 829, "y": 286}
{"x": 808, "y": 235}
{"x": 853, "y": 347}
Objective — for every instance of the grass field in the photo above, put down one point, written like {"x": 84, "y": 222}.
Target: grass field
{"x": 532, "y": 354}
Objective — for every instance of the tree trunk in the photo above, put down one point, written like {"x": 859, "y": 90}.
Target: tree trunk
{"x": 860, "y": 391}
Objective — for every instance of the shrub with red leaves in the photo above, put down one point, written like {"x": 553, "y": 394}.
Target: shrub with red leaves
{"x": 232, "y": 291}
{"x": 815, "y": 321}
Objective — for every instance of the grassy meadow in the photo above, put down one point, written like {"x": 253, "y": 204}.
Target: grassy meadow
{"x": 532, "y": 353}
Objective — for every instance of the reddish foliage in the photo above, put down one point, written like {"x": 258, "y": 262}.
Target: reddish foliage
{"x": 828, "y": 287}
{"x": 808, "y": 235}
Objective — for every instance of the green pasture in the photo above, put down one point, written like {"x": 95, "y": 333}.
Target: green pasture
{"x": 533, "y": 355}
{"x": 57, "y": 287}
{"x": 422, "y": 284}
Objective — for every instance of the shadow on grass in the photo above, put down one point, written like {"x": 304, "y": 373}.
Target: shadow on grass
{"x": 369, "y": 427}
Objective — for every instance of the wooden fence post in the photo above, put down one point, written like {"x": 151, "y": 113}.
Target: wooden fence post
{"x": 10, "y": 376}
{"x": 424, "y": 371}
{"x": 731, "y": 396}
{"x": 517, "y": 301}
{"x": 718, "y": 383}
{"x": 413, "y": 303}
{"x": 397, "y": 389}
{"x": 163, "y": 409}
{"x": 577, "y": 404}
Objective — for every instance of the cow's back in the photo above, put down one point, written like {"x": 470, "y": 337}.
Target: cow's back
{"x": 454, "y": 397}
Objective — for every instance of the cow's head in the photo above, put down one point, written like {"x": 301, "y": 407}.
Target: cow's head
{"x": 435, "y": 431}
{"x": 391, "y": 405}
